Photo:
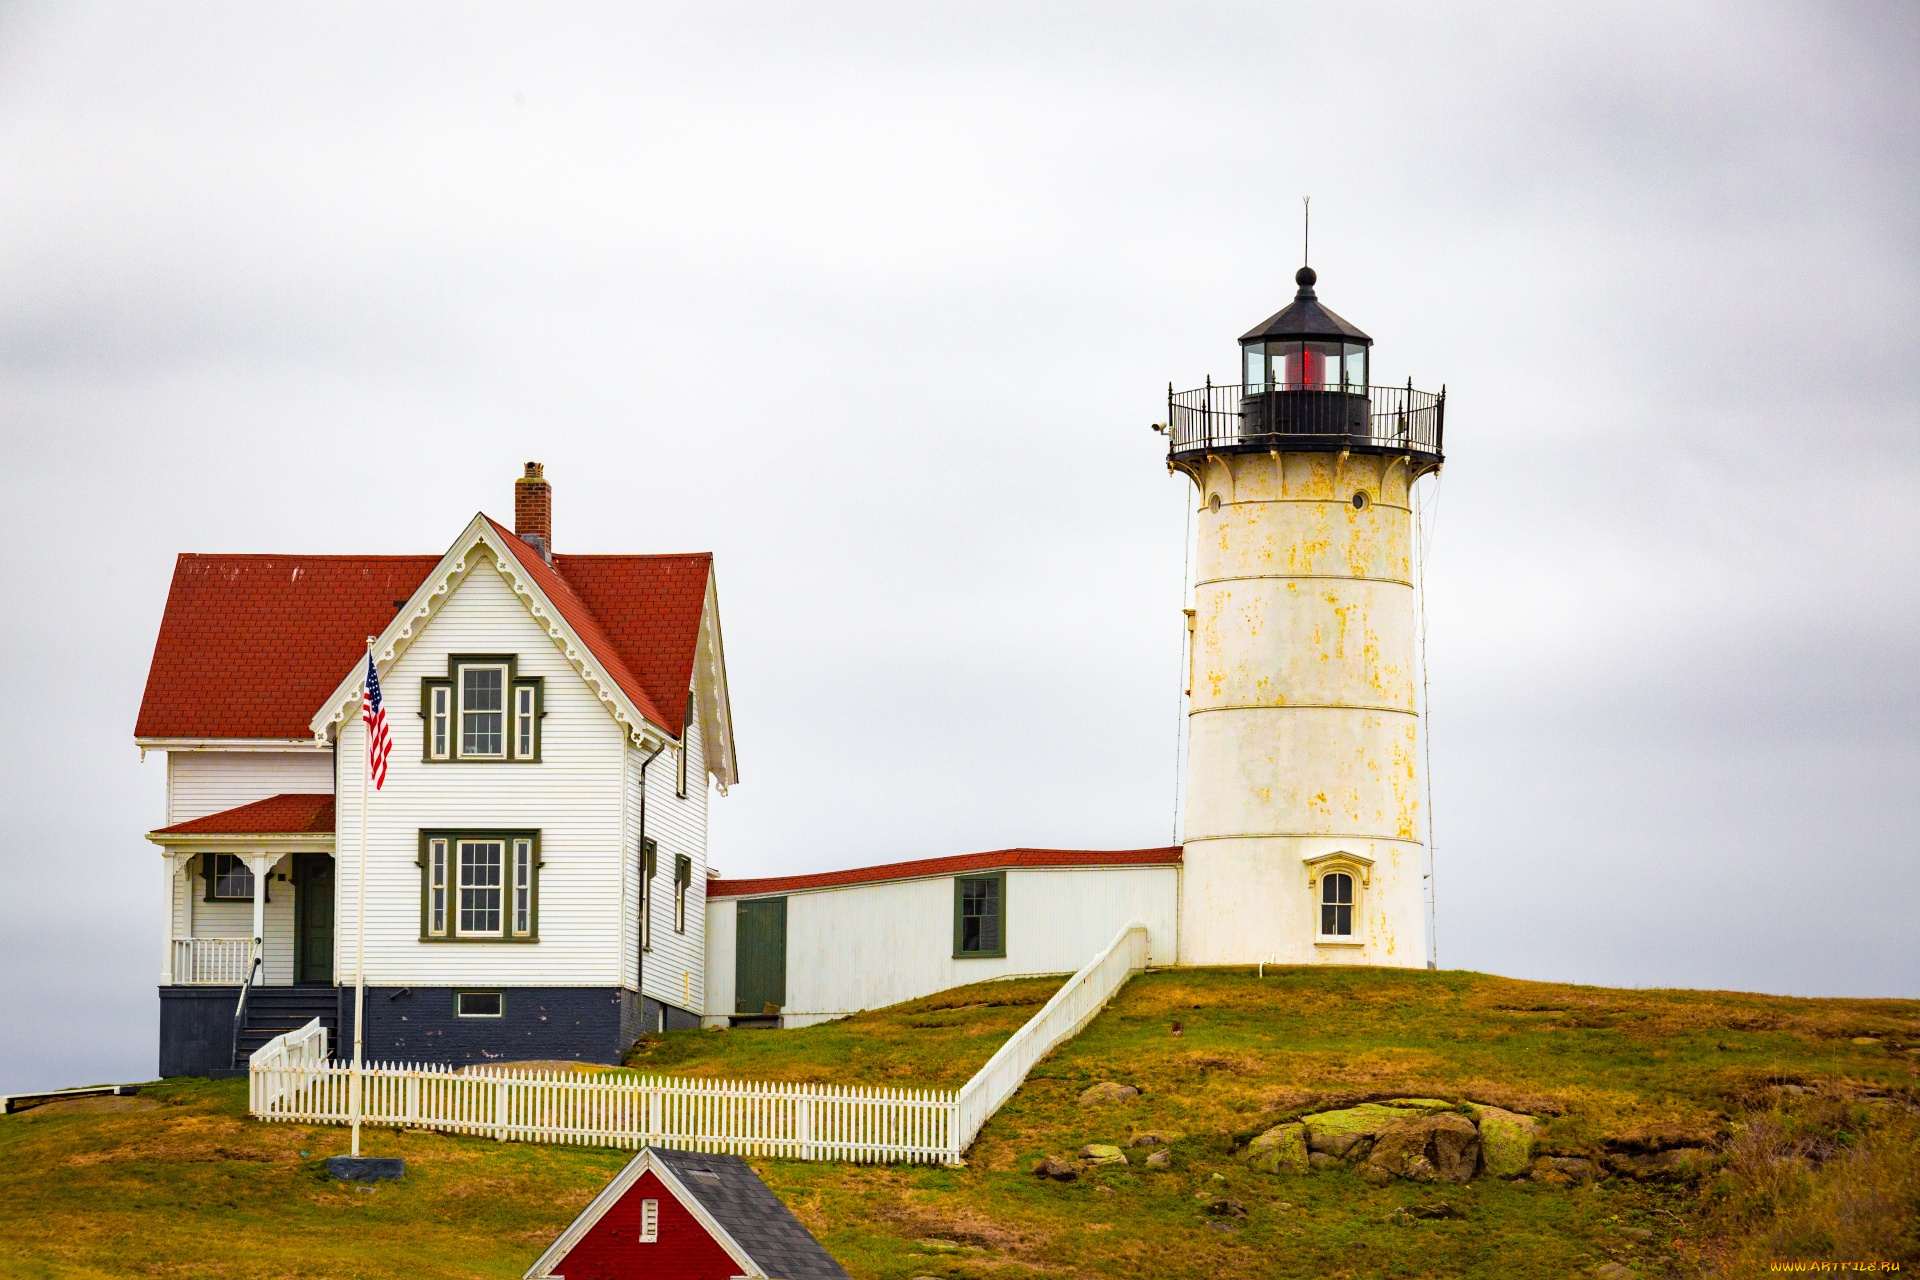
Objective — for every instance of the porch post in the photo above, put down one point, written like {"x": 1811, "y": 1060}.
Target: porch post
{"x": 175, "y": 861}
{"x": 260, "y": 864}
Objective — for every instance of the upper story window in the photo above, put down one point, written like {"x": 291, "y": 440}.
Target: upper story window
{"x": 482, "y": 710}
{"x": 686, "y": 740}
{"x": 979, "y": 915}
{"x": 649, "y": 857}
{"x": 649, "y": 1222}
{"x": 479, "y": 885}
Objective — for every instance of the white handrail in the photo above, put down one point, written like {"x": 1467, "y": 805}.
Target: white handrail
{"x": 283, "y": 1063}
{"x": 1072, "y": 1007}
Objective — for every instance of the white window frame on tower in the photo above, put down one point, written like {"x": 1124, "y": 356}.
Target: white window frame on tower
{"x": 1340, "y": 862}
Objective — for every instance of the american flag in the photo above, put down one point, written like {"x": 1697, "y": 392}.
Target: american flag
{"x": 379, "y": 741}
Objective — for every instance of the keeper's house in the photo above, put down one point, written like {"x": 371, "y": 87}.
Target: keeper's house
{"x": 538, "y": 884}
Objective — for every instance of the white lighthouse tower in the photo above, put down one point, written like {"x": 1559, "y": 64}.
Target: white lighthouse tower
{"x": 1304, "y": 833}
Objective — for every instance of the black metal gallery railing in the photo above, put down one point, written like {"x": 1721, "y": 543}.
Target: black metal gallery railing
{"x": 1387, "y": 419}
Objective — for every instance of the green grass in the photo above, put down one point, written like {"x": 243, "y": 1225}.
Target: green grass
{"x": 193, "y": 1188}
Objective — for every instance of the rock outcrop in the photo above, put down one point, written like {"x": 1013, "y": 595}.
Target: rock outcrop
{"x": 1434, "y": 1148}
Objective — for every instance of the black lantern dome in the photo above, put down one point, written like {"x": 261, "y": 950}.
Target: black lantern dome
{"x": 1304, "y": 386}
{"x": 1304, "y": 347}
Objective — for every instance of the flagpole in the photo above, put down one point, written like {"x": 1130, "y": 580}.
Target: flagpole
{"x": 360, "y": 919}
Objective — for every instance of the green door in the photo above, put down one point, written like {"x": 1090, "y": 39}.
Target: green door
{"x": 760, "y": 956}
{"x": 313, "y": 917}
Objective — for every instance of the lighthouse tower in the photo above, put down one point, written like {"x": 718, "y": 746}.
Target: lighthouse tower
{"x": 1304, "y": 835}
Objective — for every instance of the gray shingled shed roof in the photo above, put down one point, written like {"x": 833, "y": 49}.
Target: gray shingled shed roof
{"x": 749, "y": 1211}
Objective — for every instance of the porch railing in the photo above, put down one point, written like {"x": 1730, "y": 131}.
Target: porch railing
{"x": 290, "y": 1079}
{"x": 212, "y": 961}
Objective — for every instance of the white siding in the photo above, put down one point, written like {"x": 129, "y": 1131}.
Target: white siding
{"x": 676, "y": 970}
{"x": 859, "y": 947}
{"x": 574, "y": 796}
{"x": 204, "y": 782}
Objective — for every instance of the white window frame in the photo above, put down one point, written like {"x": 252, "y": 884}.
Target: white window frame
{"x": 460, "y": 1000}
{"x": 686, "y": 746}
{"x": 649, "y": 1222}
{"x": 648, "y": 867}
{"x": 239, "y": 867}
{"x": 680, "y": 891}
{"x": 1359, "y": 870}
{"x": 526, "y": 711}
{"x": 440, "y": 722}
{"x": 437, "y": 888}
{"x": 522, "y": 887}
{"x": 505, "y": 712}
{"x": 1328, "y": 879}
{"x": 501, "y": 887}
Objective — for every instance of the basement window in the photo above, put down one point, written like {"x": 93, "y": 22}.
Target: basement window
{"x": 479, "y": 1004}
{"x": 979, "y": 915}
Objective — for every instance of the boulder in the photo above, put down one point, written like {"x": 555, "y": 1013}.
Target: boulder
{"x": 1677, "y": 1165}
{"x": 1281, "y": 1149}
{"x": 1561, "y": 1170}
{"x": 1107, "y": 1091}
{"x": 1148, "y": 1140}
{"x": 1058, "y": 1170}
{"x": 1506, "y": 1141}
{"x": 1097, "y": 1153}
{"x": 1433, "y": 1148}
{"x": 1320, "y": 1161}
{"x": 1161, "y": 1159}
{"x": 1348, "y": 1133}
{"x": 1613, "y": 1271}
{"x": 1373, "y": 1173}
{"x": 1226, "y": 1207}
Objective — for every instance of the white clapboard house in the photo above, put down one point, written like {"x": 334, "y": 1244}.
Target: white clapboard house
{"x": 536, "y": 860}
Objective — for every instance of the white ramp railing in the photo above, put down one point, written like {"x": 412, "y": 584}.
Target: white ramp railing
{"x": 1061, "y": 1018}
{"x": 285, "y": 1063}
{"x": 291, "y": 1079}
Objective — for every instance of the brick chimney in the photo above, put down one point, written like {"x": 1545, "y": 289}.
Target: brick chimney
{"x": 533, "y": 510}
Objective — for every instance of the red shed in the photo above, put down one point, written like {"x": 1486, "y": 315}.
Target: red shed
{"x": 685, "y": 1215}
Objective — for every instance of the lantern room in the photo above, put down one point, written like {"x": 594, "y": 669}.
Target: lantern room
{"x": 1304, "y": 347}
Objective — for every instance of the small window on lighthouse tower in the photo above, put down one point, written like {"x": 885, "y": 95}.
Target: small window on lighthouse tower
{"x": 1336, "y": 905}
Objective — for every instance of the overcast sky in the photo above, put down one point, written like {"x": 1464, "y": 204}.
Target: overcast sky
{"x": 876, "y": 302}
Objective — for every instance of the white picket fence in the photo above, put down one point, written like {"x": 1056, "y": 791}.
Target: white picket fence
{"x": 291, "y": 1079}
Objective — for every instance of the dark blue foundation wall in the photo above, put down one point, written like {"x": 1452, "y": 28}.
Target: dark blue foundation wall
{"x": 581, "y": 1024}
{"x": 196, "y": 1030}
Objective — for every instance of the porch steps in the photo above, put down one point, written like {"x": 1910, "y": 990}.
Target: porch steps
{"x": 273, "y": 1011}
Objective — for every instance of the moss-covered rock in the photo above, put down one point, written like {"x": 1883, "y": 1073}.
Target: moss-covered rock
{"x": 1102, "y": 1153}
{"x": 1506, "y": 1140}
{"x": 1442, "y": 1147}
{"x": 1281, "y": 1149}
{"x": 1349, "y": 1133}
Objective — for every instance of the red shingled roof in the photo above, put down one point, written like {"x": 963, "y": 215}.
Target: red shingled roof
{"x": 965, "y": 862}
{"x": 250, "y": 646}
{"x": 291, "y": 814}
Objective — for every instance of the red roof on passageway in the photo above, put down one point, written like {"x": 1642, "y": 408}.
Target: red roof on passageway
{"x": 966, "y": 862}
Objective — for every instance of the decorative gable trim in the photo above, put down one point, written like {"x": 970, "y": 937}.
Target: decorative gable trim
{"x": 480, "y": 545}
{"x": 710, "y": 693}
{"x": 622, "y": 1183}
{"x": 1339, "y": 860}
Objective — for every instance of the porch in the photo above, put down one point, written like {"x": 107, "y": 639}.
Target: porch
{"x": 249, "y": 895}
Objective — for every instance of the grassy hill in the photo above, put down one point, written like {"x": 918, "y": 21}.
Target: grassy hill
{"x": 1808, "y": 1105}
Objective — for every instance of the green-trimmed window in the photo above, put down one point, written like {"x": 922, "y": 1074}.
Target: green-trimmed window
{"x": 480, "y": 886}
{"x": 482, "y": 710}
{"x": 649, "y": 859}
{"x": 980, "y": 915}
{"x": 682, "y": 878}
{"x": 229, "y": 878}
{"x": 686, "y": 738}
